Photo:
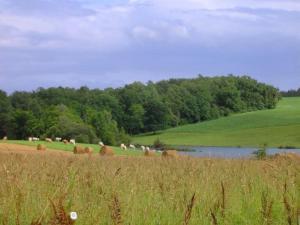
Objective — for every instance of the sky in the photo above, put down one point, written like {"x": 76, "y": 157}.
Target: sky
{"x": 110, "y": 43}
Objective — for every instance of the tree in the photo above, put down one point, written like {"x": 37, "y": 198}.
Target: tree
{"x": 5, "y": 114}
{"x": 111, "y": 113}
{"x": 21, "y": 100}
{"x": 156, "y": 115}
{"x": 106, "y": 128}
{"x": 228, "y": 97}
{"x": 23, "y": 124}
{"x": 122, "y": 137}
{"x": 135, "y": 121}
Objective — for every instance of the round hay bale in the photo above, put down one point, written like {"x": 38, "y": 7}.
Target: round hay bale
{"x": 170, "y": 153}
{"x": 149, "y": 153}
{"x": 106, "y": 151}
{"x": 65, "y": 141}
{"x": 89, "y": 150}
{"x": 78, "y": 150}
{"x": 41, "y": 147}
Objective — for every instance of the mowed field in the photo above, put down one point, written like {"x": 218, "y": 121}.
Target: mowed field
{"x": 277, "y": 127}
{"x": 67, "y": 147}
{"x": 43, "y": 188}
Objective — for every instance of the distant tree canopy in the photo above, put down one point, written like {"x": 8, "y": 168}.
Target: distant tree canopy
{"x": 90, "y": 115}
{"x": 291, "y": 93}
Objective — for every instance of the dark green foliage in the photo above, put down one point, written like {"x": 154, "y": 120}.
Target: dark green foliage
{"x": 262, "y": 152}
{"x": 82, "y": 138}
{"x": 5, "y": 114}
{"x": 135, "y": 118}
{"x": 122, "y": 137}
{"x": 158, "y": 144}
{"x": 62, "y": 122}
{"x": 291, "y": 93}
{"x": 156, "y": 116}
{"x": 109, "y": 115}
{"x": 24, "y": 123}
{"x": 106, "y": 128}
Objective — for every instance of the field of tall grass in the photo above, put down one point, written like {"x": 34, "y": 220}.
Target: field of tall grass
{"x": 39, "y": 189}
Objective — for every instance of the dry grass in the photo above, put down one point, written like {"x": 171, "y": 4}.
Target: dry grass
{"x": 170, "y": 153}
{"x": 115, "y": 209}
{"x": 188, "y": 212}
{"x": 266, "y": 208}
{"x": 147, "y": 190}
{"x": 60, "y": 216}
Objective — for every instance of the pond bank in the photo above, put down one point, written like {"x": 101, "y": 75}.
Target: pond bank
{"x": 230, "y": 152}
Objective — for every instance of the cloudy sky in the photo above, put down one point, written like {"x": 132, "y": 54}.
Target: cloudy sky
{"x": 102, "y": 43}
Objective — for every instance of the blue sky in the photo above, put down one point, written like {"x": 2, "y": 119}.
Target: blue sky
{"x": 103, "y": 43}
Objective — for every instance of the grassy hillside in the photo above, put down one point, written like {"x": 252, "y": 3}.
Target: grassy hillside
{"x": 69, "y": 147}
{"x": 277, "y": 127}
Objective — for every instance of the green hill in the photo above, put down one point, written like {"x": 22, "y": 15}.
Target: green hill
{"x": 277, "y": 127}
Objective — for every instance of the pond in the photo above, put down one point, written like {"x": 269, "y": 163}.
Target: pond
{"x": 230, "y": 152}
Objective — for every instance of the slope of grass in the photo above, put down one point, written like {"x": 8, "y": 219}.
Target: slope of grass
{"x": 69, "y": 147}
{"x": 148, "y": 191}
{"x": 277, "y": 127}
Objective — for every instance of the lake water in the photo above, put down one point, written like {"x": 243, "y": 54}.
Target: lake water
{"x": 231, "y": 152}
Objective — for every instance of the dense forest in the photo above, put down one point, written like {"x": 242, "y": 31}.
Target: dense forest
{"x": 90, "y": 115}
{"x": 291, "y": 93}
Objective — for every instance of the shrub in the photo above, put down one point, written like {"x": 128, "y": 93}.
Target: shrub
{"x": 158, "y": 144}
{"x": 122, "y": 137}
{"x": 262, "y": 152}
{"x": 82, "y": 138}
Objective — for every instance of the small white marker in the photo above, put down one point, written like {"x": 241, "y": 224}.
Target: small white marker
{"x": 73, "y": 215}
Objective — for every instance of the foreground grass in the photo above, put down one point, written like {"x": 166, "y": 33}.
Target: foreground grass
{"x": 70, "y": 147}
{"x": 149, "y": 191}
{"x": 277, "y": 127}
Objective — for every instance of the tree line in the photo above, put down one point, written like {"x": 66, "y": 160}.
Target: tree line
{"x": 291, "y": 93}
{"x": 111, "y": 115}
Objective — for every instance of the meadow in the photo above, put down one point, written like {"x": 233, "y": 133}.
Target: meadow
{"x": 276, "y": 127}
{"x": 37, "y": 189}
{"x": 70, "y": 147}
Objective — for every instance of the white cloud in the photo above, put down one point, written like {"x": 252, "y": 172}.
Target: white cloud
{"x": 121, "y": 39}
{"x": 144, "y": 33}
{"x": 289, "y": 5}
{"x": 49, "y": 24}
{"x": 102, "y": 29}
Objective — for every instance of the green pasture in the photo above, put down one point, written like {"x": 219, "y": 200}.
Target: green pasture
{"x": 70, "y": 147}
{"x": 276, "y": 127}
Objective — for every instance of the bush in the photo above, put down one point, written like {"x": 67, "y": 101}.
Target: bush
{"x": 82, "y": 138}
{"x": 122, "y": 137}
{"x": 262, "y": 152}
{"x": 158, "y": 144}
{"x": 43, "y": 137}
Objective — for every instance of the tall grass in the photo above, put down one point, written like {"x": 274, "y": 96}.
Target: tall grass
{"x": 41, "y": 189}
